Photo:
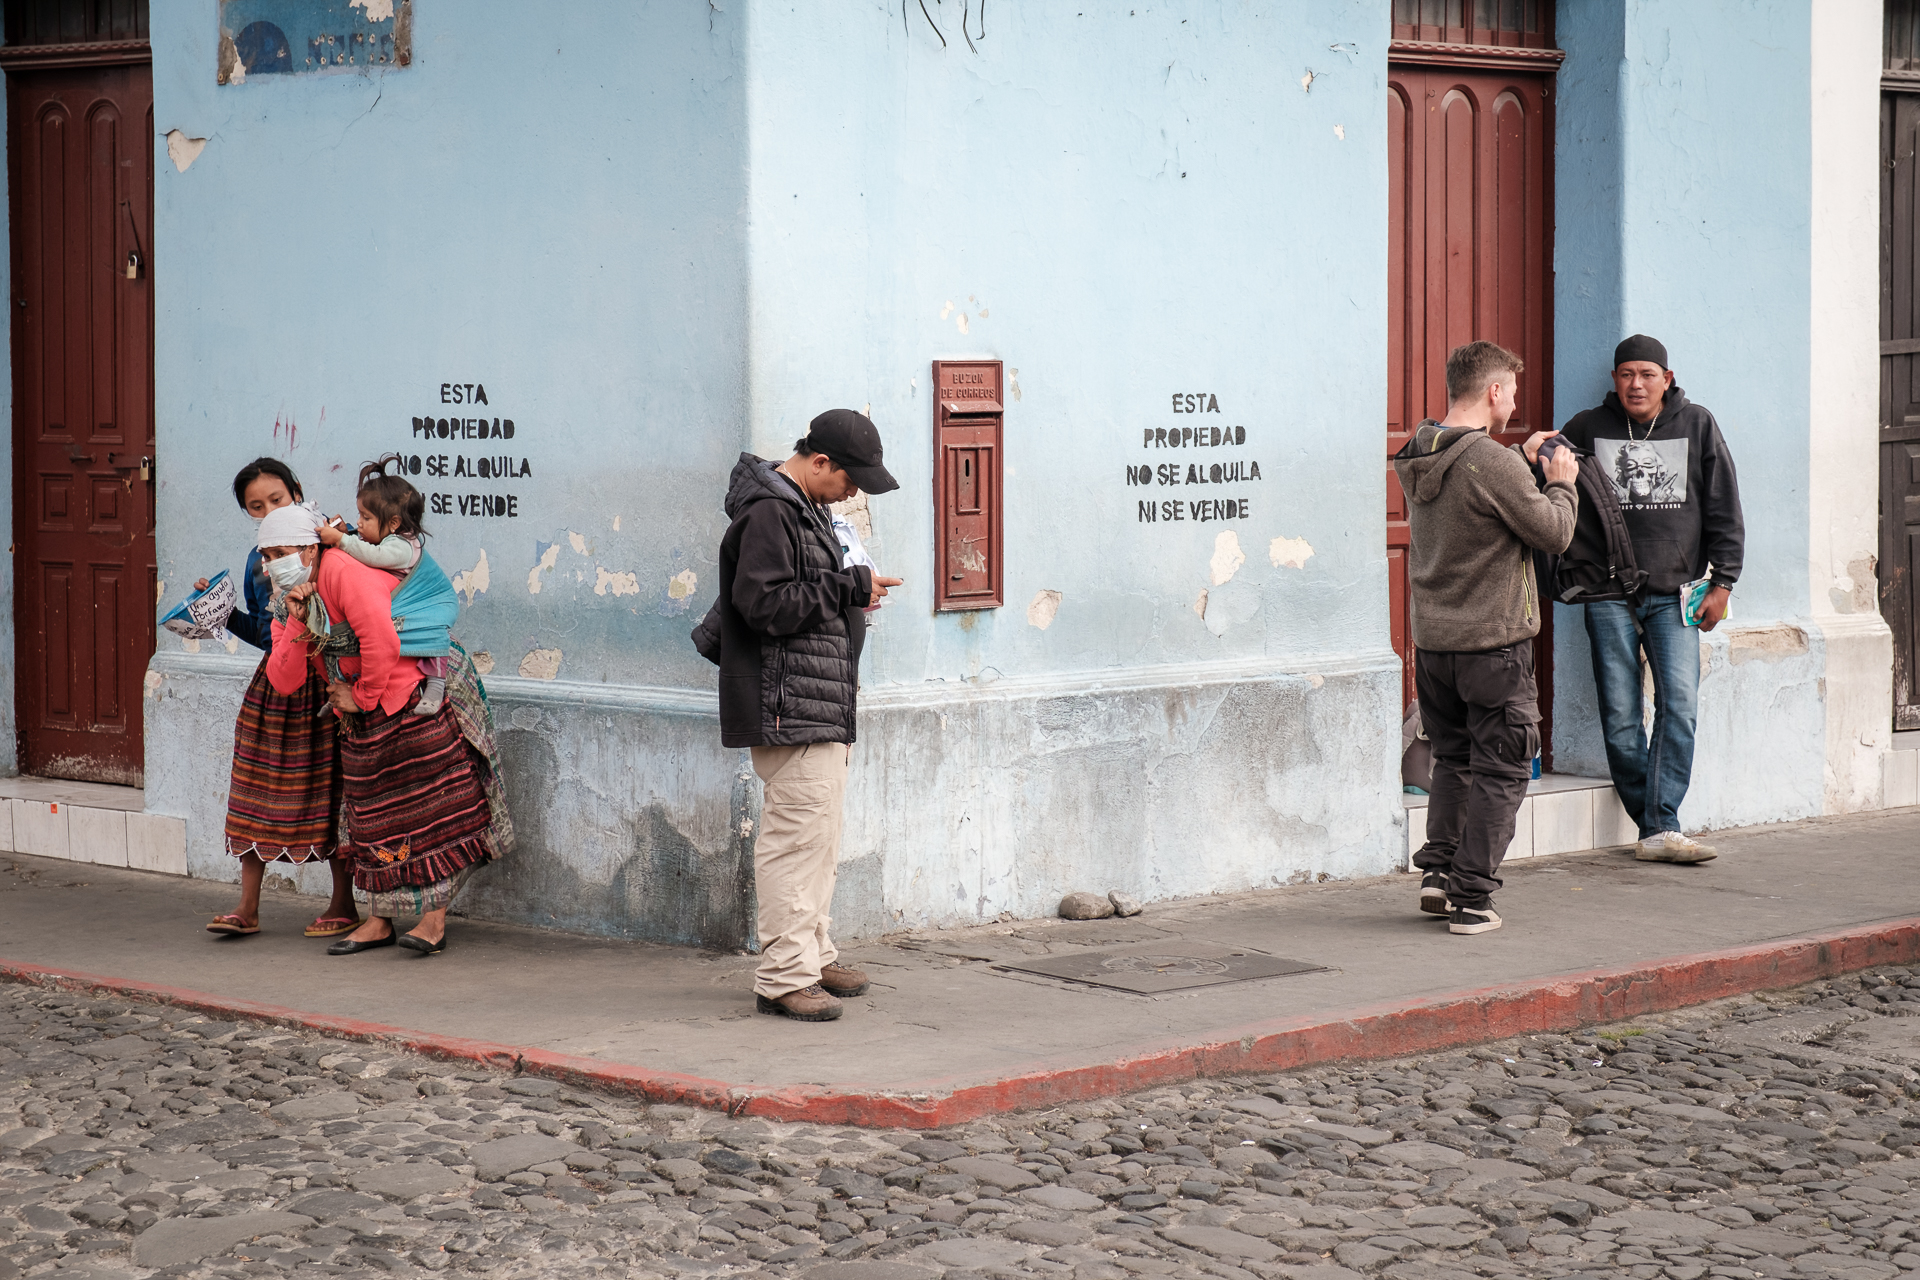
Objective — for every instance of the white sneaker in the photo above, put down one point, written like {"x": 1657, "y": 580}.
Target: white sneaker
{"x": 1671, "y": 846}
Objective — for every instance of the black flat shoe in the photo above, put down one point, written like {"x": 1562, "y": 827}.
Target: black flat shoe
{"x": 414, "y": 942}
{"x": 348, "y": 947}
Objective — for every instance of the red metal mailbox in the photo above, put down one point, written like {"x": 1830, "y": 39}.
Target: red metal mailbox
{"x": 969, "y": 418}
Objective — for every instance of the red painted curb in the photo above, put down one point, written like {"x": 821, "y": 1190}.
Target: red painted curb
{"x": 1385, "y": 1030}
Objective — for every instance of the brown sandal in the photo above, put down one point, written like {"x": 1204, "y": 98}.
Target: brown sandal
{"x": 232, "y": 926}
{"x": 333, "y": 926}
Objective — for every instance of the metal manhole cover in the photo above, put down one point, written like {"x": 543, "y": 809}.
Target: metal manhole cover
{"x": 1167, "y": 965}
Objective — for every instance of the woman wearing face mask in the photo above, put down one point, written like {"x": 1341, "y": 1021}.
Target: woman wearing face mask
{"x": 286, "y": 761}
{"x": 418, "y": 813}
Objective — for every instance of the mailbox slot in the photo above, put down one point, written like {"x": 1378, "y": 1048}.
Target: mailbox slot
{"x": 969, "y": 420}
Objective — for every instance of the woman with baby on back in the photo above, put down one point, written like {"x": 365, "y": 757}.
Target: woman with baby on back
{"x": 370, "y": 614}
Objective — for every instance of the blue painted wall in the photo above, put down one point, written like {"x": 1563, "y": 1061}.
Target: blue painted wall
{"x": 1120, "y": 203}
{"x": 1683, "y": 197}
{"x": 547, "y": 203}
{"x": 1683, "y": 200}
{"x": 660, "y": 234}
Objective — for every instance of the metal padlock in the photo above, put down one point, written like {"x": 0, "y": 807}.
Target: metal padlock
{"x": 133, "y": 264}
{"x": 146, "y": 468}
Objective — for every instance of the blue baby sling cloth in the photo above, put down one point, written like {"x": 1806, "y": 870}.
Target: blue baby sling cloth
{"x": 424, "y": 611}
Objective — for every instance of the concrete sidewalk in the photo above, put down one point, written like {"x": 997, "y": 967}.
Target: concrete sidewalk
{"x": 951, "y": 1030}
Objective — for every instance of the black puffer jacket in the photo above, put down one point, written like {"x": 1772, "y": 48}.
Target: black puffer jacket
{"x": 788, "y": 619}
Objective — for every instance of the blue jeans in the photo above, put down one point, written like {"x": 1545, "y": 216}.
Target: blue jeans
{"x": 1651, "y": 775}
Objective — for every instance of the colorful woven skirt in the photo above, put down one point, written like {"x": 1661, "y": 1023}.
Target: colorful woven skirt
{"x": 417, "y": 810}
{"x": 285, "y": 793}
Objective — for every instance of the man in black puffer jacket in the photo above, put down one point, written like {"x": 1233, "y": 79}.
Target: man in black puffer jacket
{"x": 789, "y": 624}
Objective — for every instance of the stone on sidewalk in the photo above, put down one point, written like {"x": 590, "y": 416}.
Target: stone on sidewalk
{"x": 1085, "y": 906}
{"x": 1063, "y": 1198}
{"x": 1053, "y": 1235}
{"x": 494, "y": 1160}
{"x": 994, "y": 1173}
{"x": 1224, "y": 1243}
{"x": 174, "y": 1241}
{"x": 978, "y": 1254}
{"x": 407, "y": 1181}
{"x": 869, "y": 1271}
{"x": 319, "y": 1106}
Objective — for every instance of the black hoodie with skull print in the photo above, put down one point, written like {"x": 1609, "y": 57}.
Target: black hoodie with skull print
{"x": 1676, "y": 485}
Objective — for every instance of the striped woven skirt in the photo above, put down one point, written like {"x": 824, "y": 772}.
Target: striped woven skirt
{"x": 285, "y": 793}
{"x": 417, "y": 810}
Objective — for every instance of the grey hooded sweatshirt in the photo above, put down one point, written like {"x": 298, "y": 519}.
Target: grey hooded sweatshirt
{"x": 1473, "y": 513}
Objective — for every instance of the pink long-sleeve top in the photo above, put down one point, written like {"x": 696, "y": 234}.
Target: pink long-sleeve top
{"x": 363, "y": 597}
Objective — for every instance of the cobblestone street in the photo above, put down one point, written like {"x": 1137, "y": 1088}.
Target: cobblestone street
{"x": 1764, "y": 1136}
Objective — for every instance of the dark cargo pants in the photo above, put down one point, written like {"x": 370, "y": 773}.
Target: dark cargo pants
{"x": 1481, "y": 712}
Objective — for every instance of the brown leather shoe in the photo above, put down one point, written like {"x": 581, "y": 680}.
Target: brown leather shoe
{"x": 842, "y": 981}
{"x": 812, "y": 1004}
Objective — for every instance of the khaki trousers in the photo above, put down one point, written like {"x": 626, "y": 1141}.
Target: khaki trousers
{"x": 794, "y": 861}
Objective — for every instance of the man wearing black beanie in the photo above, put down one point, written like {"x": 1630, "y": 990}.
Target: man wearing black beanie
{"x": 1675, "y": 482}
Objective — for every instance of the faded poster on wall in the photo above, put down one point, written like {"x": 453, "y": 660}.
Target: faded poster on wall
{"x": 303, "y": 37}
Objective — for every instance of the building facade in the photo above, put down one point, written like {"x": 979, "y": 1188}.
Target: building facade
{"x": 571, "y": 261}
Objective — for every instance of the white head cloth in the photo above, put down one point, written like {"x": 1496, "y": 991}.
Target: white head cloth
{"x": 290, "y": 526}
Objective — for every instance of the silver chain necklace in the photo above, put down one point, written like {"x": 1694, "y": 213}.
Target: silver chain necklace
{"x": 1650, "y": 426}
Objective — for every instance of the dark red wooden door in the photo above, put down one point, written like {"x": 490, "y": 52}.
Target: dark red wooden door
{"x": 1470, "y": 255}
{"x": 80, "y": 167}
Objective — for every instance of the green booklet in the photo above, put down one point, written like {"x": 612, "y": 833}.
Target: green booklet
{"x": 1693, "y": 596}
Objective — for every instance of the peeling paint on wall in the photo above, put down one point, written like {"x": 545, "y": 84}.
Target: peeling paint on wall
{"x": 578, "y": 543}
{"x": 482, "y": 662}
{"x": 1765, "y": 644}
{"x": 1227, "y": 557}
{"x": 616, "y": 524}
{"x": 377, "y": 10}
{"x": 1340, "y": 132}
{"x": 1200, "y": 604}
{"x": 474, "y": 581}
{"x": 1858, "y": 592}
{"x": 1014, "y": 374}
{"x": 858, "y": 514}
{"x": 621, "y": 584}
{"x": 1289, "y": 553}
{"x": 541, "y": 664}
{"x": 1043, "y": 608}
{"x": 182, "y": 150}
{"x": 548, "y": 553}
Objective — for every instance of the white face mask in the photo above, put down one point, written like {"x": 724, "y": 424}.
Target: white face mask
{"x": 287, "y": 572}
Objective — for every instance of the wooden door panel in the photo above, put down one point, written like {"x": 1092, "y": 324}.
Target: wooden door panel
{"x": 1899, "y": 396}
{"x": 80, "y": 160}
{"x": 1469, "y": 256}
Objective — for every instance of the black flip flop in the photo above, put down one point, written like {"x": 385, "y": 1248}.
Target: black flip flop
{"x": 413, "y": 942}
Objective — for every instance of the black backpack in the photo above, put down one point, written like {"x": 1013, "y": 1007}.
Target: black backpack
{"x": 1598, "y": 564}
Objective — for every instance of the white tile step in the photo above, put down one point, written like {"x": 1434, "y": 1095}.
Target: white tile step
{"x": 1561, "y": 814}
{"x": 89, "y": 822}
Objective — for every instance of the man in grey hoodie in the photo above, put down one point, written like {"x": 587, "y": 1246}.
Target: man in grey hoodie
{"x": 1474, "y": 517}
